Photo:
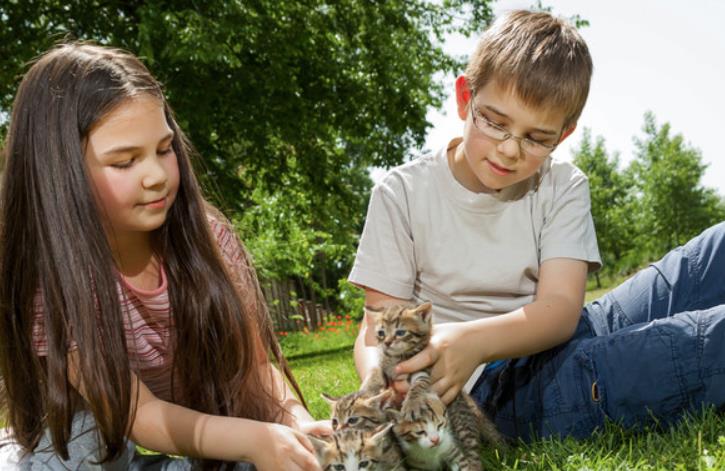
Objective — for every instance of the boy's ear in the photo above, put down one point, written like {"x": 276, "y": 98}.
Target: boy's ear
{"x": 567, "y": 132}
{"x": 463, "y": 96}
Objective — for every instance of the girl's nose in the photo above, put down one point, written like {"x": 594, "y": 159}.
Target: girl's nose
{"x": 154, "y": 173}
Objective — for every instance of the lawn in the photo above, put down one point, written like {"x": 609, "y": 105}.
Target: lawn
{"x": 323, "y": 362}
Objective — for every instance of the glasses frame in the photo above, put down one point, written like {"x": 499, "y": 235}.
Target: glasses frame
{"x": 501, "y": 135}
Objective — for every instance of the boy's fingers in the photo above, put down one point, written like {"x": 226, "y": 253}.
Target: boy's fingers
{"x": 418, "y": 362}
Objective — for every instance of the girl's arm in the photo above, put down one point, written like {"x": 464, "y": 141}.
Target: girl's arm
{"x": 172, "y": 429}
{"x": 456, "y": 349}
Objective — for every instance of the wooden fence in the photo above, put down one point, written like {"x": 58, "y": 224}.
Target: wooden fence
{"x": 293, "y": 306}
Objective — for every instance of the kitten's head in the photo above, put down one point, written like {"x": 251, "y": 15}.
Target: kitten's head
{"x": 402, "y": 329}
{"x": 358, "y": 450}
{"x": 422, "y": 423}
{"x": 359, "y": 409}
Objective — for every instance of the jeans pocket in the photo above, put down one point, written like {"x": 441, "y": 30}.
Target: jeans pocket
{"x": 637, "y": 377}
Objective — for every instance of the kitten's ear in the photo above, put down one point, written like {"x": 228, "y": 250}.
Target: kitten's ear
{"x": 380, "y": 433}
{"x": 373, "y": 312}
{"x": 424, "y": 310}
{"x": 383, "y": 399}
{"x": 320, "y": 444}
{"x": 330, "y": 399}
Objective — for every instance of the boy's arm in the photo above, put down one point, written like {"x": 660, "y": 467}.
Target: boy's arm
{"x": 172, "y": 429}
{"x": 456, "y": 349}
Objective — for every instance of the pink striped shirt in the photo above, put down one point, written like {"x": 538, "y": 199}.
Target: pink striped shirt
{"x": 147, "y": 318}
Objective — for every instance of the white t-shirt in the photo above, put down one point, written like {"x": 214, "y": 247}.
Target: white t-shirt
{"x": 427, "y": 238}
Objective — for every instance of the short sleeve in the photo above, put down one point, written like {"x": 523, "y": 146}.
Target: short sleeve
{"x": 568, "y": 230}
{"x": 385, "y": 259}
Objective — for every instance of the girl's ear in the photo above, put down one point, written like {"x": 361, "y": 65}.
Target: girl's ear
{"x": 463, "y": 96}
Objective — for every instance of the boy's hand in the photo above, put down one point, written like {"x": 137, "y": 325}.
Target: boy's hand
{"x": 452, "y": 357}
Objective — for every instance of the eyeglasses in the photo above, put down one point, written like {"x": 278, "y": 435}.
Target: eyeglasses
{"x": 531, "y": 147}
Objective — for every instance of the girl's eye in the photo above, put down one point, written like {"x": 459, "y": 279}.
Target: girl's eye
{"x": 124, "y": 164}
{"x": 168, "y": 151}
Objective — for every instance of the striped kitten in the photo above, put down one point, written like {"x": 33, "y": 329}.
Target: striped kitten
{"x": 361, "y": 409}
{"x": 401, "y": 331}
{"x": 359, "y": 450}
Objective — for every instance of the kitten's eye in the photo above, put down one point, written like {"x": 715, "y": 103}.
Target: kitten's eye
{"x": 352, "y": 420}
{"x": 420, "y": 434}
{"x": 340, "y": 467}
{"x": 381, "y": 334}
{"x": 363, "y": 464}
{"x": 335, "y": 423}
{"x": 400, "y": 332}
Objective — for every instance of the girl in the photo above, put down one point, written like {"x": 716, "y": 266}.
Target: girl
{"x": 129, "y": 307}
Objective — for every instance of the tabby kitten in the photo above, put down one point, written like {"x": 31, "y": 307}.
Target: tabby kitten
{"x": 353, "y": 449}
{"x": 432, "y": 436}
{"x": 401, "y": 331}
{"x": 361, "y": 409}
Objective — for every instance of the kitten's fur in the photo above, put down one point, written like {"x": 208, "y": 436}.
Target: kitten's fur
{"x": 361, "y": 409}
{"x": 356, "y": 449}
{"x": 403, "y": 331}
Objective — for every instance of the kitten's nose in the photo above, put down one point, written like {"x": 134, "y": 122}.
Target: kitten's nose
{"x": 388, "y": 342}
{"x": 435, "y": 439}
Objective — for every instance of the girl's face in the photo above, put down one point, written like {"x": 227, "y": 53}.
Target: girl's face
{"x": 133, "y": 167}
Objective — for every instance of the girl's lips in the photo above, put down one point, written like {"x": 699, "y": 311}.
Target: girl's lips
{"x": 158, "y": 204}
{"x": 498, "y": 170}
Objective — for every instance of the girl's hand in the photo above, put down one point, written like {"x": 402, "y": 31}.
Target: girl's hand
{"x": 453, "y": 357}
{"x": 320, "y": 428}
{"x": 281, "y": 447}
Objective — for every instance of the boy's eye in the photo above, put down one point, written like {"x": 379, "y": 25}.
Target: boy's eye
{"x": 400, "y": 332}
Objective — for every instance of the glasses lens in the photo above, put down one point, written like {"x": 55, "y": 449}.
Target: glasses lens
{"x": 535, "y": 149}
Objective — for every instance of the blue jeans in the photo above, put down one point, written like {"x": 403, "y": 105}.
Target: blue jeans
{"x": 645, "y": 353}
{"x": 84, "y": 452}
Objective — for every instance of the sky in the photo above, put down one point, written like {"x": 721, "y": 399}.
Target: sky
{"x": 664, "y": 56}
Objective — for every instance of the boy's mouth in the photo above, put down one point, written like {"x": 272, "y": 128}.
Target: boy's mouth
{"x": 497, "y": 169}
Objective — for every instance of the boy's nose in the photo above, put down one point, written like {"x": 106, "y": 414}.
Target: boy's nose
{"x": 511, "y": 148}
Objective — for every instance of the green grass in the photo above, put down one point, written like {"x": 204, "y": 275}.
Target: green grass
{"x": 697, "y": 443}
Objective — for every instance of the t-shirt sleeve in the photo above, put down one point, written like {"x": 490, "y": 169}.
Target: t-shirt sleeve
{"x": 385, "y": 259}
{"x": 568, "y": 230}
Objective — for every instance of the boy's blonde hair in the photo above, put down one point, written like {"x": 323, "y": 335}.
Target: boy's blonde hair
{"x": 540, "y": 58}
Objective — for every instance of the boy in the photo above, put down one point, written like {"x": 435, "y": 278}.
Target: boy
{"x": 498, "y": 236}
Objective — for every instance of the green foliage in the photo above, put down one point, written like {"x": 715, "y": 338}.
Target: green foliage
{"x": 674, "y": 206}
{"x": 652, "y": 206}
{"x": 288, "y": 102}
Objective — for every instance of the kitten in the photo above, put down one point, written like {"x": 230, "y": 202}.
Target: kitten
{"x": 353, "y": 449}
{"x": 401, "y": 331}
{"x": 360, "y": 409}
{"x": 431, "y": 435}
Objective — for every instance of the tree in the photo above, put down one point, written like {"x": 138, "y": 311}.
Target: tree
{"x": 611, "y": 201}
{"x": 288, "y": 102}
{"x": 674, "y": 205}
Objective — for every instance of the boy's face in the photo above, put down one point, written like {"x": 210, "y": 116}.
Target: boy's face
{"x": 483, "y": 162}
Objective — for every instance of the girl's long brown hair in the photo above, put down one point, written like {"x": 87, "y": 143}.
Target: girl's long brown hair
{"x": 52, "y": 243}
